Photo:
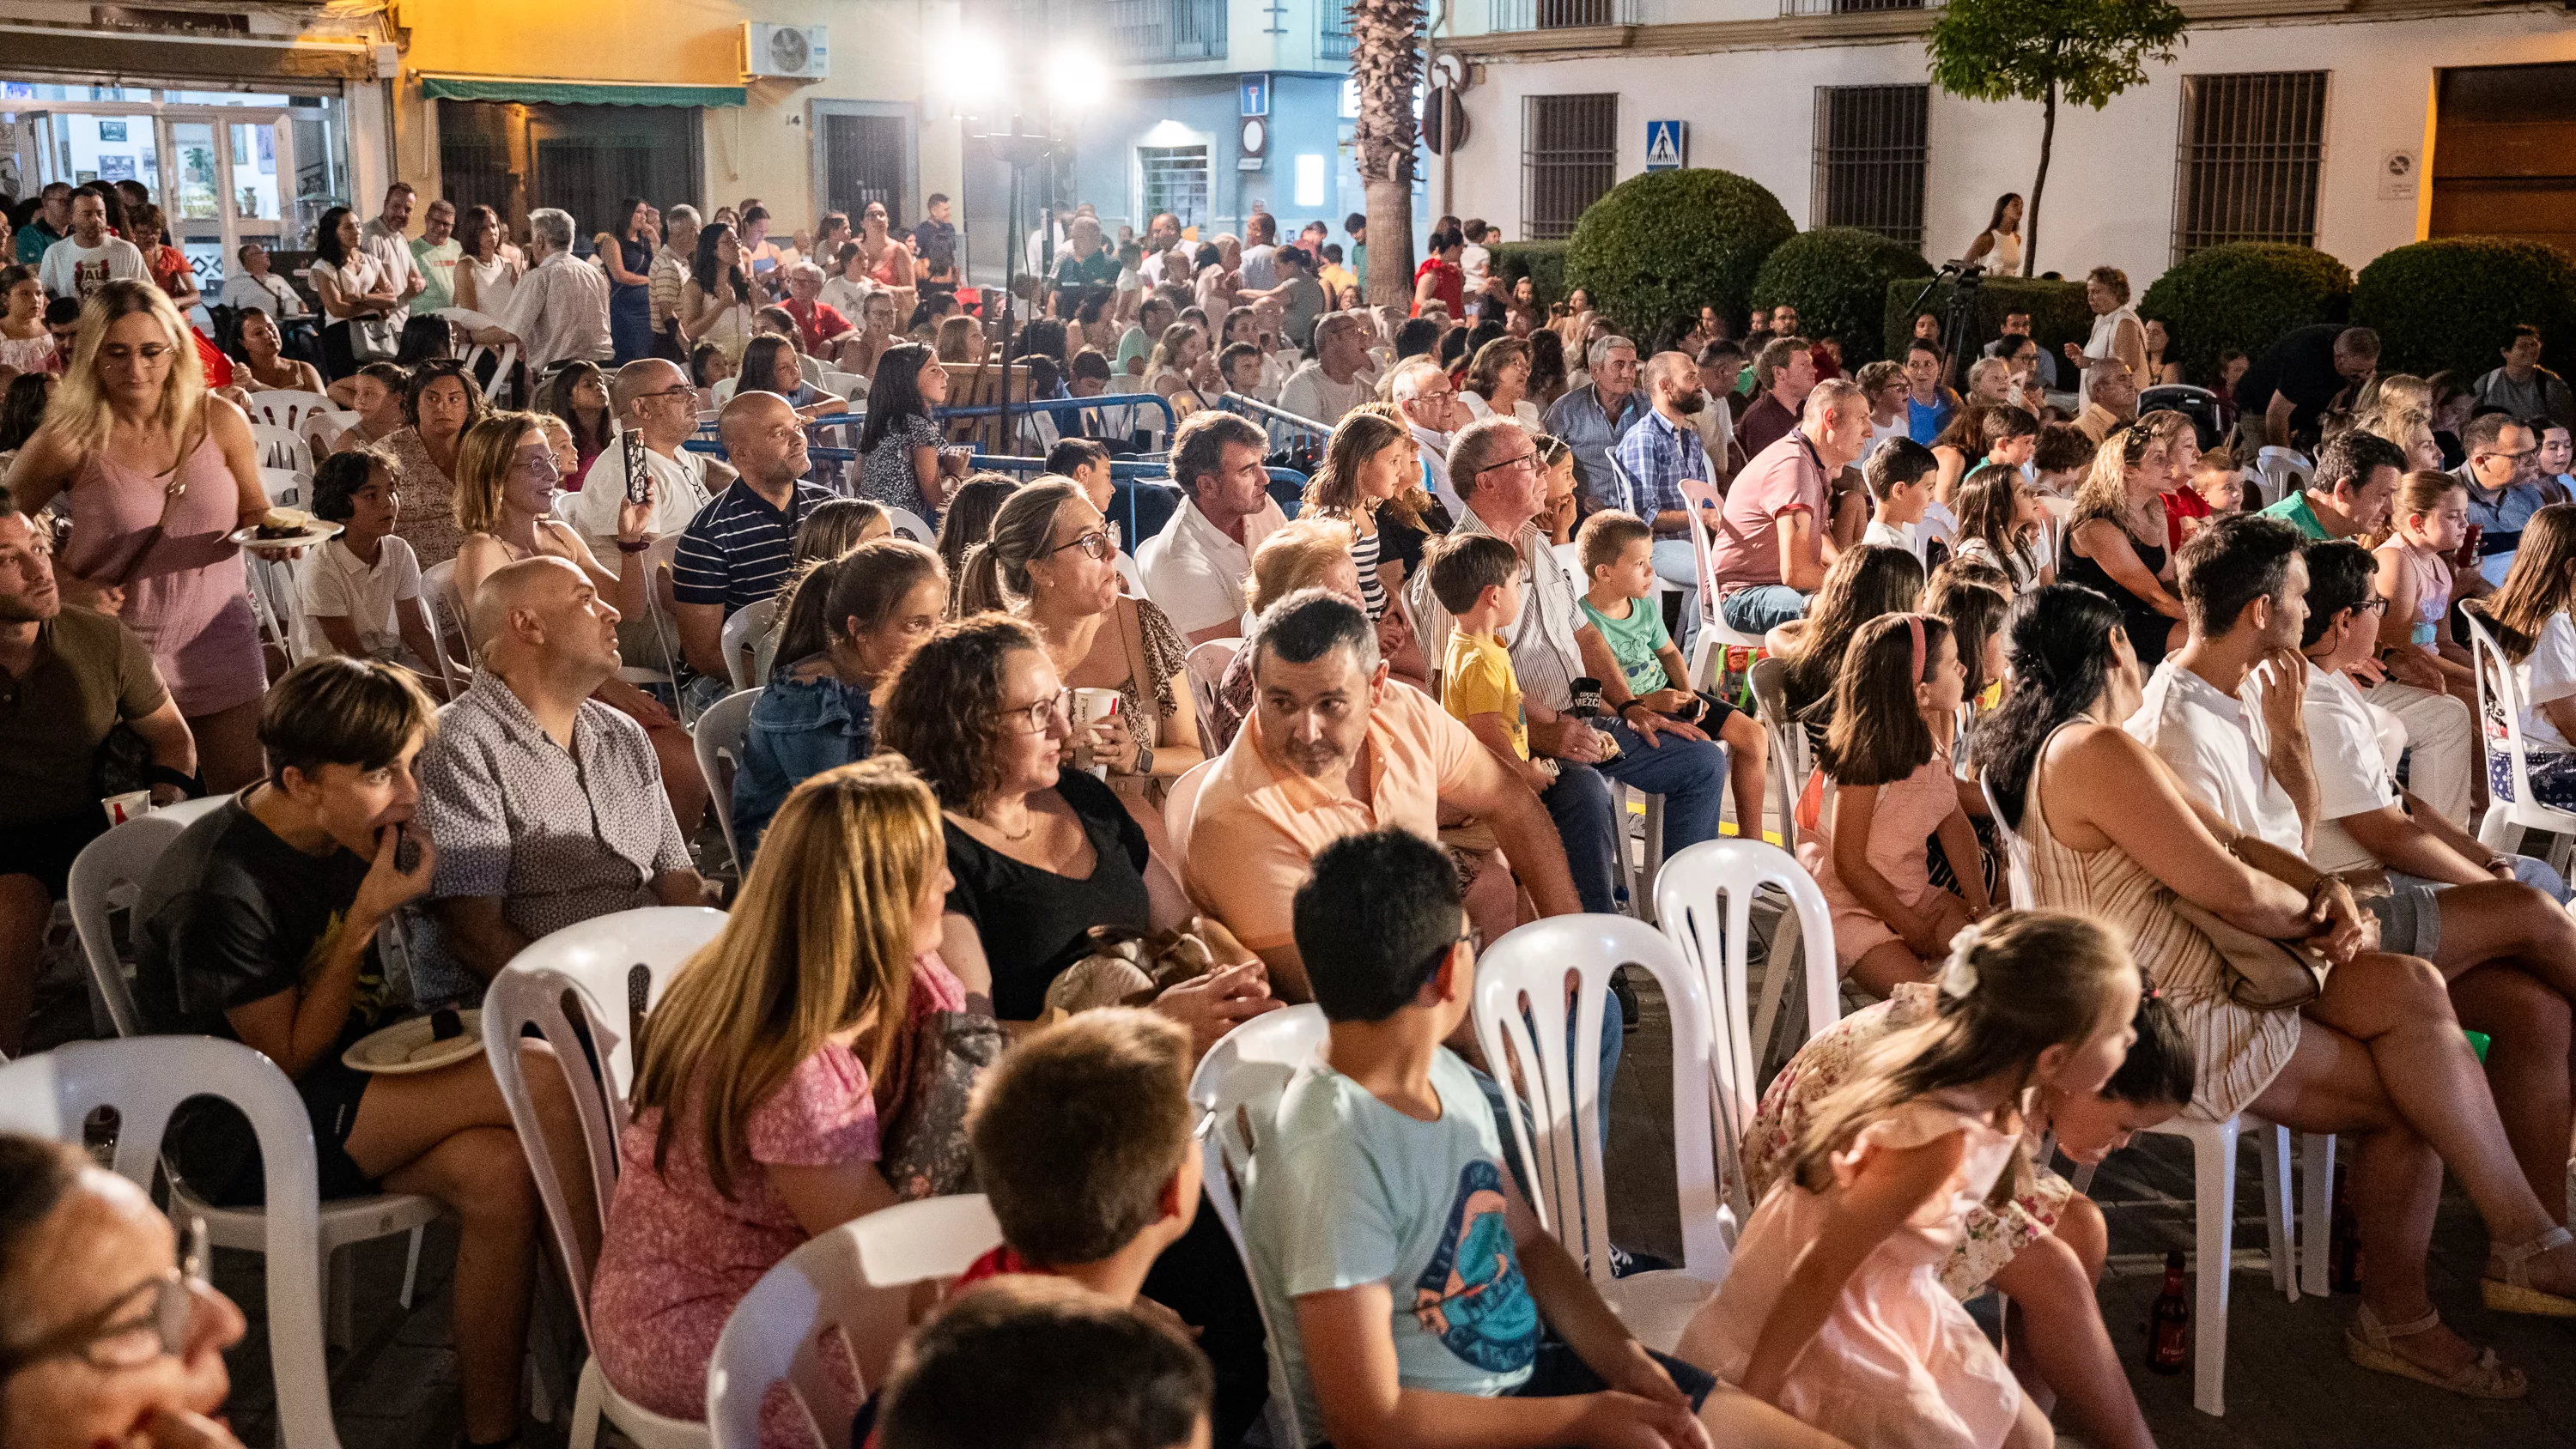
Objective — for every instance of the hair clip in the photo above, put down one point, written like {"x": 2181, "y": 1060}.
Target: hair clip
{"x": 1959, "y": 977}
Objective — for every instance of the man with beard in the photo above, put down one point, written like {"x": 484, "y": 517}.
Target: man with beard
{"x": 1656, "y": 457}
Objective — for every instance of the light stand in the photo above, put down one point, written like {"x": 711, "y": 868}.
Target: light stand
{"x": 1022, "y": 142}
{"x": 1961, "y": 308}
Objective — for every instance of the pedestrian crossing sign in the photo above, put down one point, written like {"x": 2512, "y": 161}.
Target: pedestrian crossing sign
{"x": 1667, "y": 145}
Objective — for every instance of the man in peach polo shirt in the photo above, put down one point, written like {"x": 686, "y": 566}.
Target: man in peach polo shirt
{"x": 1333, "y": 748}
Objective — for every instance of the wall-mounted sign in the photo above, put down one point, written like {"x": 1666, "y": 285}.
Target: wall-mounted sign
{"x": 2397, "y": 176}
{"x": 1667, "y": 145}
{"x": 1254, "y": 92}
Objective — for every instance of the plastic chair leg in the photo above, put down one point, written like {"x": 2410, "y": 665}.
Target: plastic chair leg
{"x": 2316, "y": 1216}
{"x": 587, "y": 1401}
{"x": 2213, "y": 1152}
{"x": 1779, "y": 969}
{"x": 340, "y": 1298}
{"x": 411, "y": 1267}
{"x": 2272, "y": 1144}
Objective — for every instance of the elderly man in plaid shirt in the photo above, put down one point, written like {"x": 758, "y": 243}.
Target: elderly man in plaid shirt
{"x": 1651, "y": 462}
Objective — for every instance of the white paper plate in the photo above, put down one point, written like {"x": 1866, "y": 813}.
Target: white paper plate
{"x": 406, "y": 1046}
{"x": 319, "y": 531}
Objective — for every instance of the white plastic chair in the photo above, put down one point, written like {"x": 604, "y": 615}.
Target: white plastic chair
{"x": 475, "y": 352}
{"x": 284, "y": 486}
{"x": 1131, "y": 579}
{"x": 1553, "y": 1102}
{"x": 2500, "y": 714}
{"x": 1704, "y": 903}
{"x": 846, "y": 385}
{"x": 1180, "y": 807}
{"x": 447, "y": 620}
{"x": 1791, "y": 758}
{"x": 123, "y": 858}
{"x": 741, "y": 632}
{"x": 2278, "y": 470}
{"x": 847, "y": 1285}
{"x": 1238, "y": 1085}
{"x": 718, "y": 740}
{"x": 54, "y": 1093}
{"x": 322, "y": 427}
{"x": 1205, "y": 665}
{"x": 908, "y": 524}
{"x": 599, "y": 974}
{"x": 282, "y": 448}
{"x": 287, "y": 407}
{"x": 1713, "y": 628}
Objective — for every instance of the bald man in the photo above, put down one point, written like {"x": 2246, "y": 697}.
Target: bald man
{"x": 546, "y": 806}
{"x": 740, "y": 547}
{"x": 1654, "y": 458}
{"x": 656, "y": 408}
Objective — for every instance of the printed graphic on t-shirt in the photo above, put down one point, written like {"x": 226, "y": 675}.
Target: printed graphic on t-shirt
{"x": 88, "y": 277}
{"x": 1471, "y": 1295}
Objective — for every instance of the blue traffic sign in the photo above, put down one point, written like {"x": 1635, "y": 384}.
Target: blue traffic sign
{"x": 1667, "y": 145}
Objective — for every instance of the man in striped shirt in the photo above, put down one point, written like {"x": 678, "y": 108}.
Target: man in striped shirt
{"x": 738, "y": 550}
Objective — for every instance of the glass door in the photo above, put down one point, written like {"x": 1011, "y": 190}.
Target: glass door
{"x": 222, "y": 181}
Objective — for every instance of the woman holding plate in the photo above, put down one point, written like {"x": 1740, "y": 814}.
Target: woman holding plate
{"x": 260, "y": 924}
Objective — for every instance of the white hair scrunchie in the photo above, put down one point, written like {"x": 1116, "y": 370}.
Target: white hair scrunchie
{"x": 1959, "y": 977}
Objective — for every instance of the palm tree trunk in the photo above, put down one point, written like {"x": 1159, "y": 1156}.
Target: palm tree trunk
{"x": 2030, "y": 219}
{"x": 1386, "y": 59}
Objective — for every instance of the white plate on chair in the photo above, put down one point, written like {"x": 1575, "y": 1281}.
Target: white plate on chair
{"x": 406, "y": 1046}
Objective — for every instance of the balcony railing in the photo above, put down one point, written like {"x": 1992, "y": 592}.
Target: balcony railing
{"x": 1335, "y": 41}
{"x": 1564, "y": 14}
{"x": 1853, "y": 7}
{"x": 1149, "y": 32}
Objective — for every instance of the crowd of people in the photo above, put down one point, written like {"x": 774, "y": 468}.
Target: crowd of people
{"x": 2083, "y": 728}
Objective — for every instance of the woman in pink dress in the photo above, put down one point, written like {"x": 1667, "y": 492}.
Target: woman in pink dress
{"x": 157, "y": 473}
{"x": 757, "y": 1105}
{"x": 1833, "y": 1310}
{"x": 1886, "y": 752}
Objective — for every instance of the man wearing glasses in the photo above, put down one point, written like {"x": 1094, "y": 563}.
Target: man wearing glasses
{"x": 1422, "y": 392}
{"x": 2502, "y": 475}
{"x": 656, "y": 411}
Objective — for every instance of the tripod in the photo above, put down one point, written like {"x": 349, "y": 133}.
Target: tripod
{"x": 1964, "y": 278}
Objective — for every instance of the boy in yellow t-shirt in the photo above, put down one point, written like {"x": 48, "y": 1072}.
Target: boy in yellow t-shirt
{"x": 1477, "y": 578}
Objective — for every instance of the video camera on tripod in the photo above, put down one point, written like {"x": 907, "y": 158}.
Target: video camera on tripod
{"x": 1964, "y": 279}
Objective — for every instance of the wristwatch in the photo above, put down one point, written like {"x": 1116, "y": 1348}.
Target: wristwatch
{"x": 1144, "y": 759}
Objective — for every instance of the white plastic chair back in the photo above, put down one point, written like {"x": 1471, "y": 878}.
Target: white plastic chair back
{"x": 848, "y": 1284}
{"x": 286, "y": 407}
{"x": 1704, "y": 903}
{"x": 2500, "y": 713}
{"x": 322, "y": 427}
{"x": 724, "y": 391}
{"x": 1713, "y": 628}
{"x": 108, "y": 875}
{"x": 1238, "y": 1085}
{"x": 446, "y": 619}
{"x": 1792, "y": 760}
{"x": 285, "y": 487}
{"x": 718, "y": 740}
{"x": 1131, "y": 579}
{"x": 741, "y": 632}
{"x": 622, "y": 962}
{"x": 908, "y": 524}
{"x": 54, "y": 1093}
{"x": 1180, "y": 807}
{"x": 848, "y": 386}
{"x": 2278, "y": 470}
{"x": 282, "y": 448}
{"x": 475, "y": 352}
{"x": 1553, "y": 1101}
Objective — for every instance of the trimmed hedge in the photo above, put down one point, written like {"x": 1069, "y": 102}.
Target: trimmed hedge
{"x": 2057, "y": 311}
{"x": 2245, "y": 295}
{"x": 1543, "y": 262}
{"x": 1838, "y": 278}
{"x": 2453, "y": 303}
{"x": 1664, "y": 244}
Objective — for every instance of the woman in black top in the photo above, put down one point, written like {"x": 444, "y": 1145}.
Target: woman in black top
{"x": 1041, "y": 852}
{"x": 2115, "y": 540}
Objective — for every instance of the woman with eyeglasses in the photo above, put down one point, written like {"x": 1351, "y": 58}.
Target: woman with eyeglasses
{"x": 109, "y": 1332}
{"x": 1041, "y": 852}
{"x": 157, "y": 474}
{"x": 1050, "y": 560}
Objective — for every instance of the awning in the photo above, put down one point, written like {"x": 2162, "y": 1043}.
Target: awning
{"x": 577, "y": 93}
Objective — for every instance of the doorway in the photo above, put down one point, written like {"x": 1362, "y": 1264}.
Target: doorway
{"x": 864, "y": 153}
{"x": 516, "y": 157}
{"x": 2504, "y": 153}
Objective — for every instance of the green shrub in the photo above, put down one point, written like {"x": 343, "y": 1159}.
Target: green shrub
{"x": 2453, "y": 303}
{"x": 1543, "y": 262}
{"x": 2244, "y": 295}
{"x": 2057, "y": 312}
{"x": 1837, "y": 277}
{"x": 1664, "y": 244}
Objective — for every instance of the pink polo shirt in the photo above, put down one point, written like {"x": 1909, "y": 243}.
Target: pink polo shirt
{"x": 1783, "y": 478}
{"x": 1259, "y": 823}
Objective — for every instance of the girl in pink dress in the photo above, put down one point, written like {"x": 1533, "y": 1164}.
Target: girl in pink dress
{"x": 1896, "y": 703}
{"x": 2428, "y": 522}
{"x": 1833, "y": 1311}
{"x": 758, "y": 1101}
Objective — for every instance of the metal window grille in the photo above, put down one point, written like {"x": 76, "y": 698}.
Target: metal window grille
{"x": 1569, "y": 158}
{"x": 1853, "y": 7}
{"x": 1335, "y": 40}
{"x": 1561, "y": 14}
{"x": 1869, "y": 159}
{"x": 1144, "y": 32}
{"x": 1176, "y": 180}
{"x": 2251, "y": 152}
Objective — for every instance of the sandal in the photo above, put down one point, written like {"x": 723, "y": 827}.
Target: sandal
{"x": 2372, "y": 1345}
{"x": 2512, "y": 1292}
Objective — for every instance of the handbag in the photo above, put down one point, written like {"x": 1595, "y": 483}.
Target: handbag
{"x": 2262, "y": 974}
{"x": 374, "y": 339}
{"x": 923, "y": 1149}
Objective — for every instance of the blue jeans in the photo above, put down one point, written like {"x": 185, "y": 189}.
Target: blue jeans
{"x": 1614, "y": 1040}
{"x": 1689, "y": 774}
{"x": 1757, "y": 609}
{"x": 1677, "y": 563}
{"x": 1587, "y": 821}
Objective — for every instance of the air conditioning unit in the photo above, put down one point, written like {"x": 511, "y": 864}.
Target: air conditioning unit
{"x": 800, "y": 52}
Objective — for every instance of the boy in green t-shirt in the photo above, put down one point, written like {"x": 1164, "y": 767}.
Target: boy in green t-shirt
{"x": 1626, "y": 646}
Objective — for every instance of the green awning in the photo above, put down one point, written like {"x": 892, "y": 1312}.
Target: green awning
{"x": 578, "y": 93}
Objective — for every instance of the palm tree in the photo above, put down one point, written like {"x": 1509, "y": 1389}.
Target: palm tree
{"x": 1386, "y": 61}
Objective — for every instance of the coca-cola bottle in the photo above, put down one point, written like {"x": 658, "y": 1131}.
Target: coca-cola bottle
{"x": 2169, "y": 1323}
{"x": 2343, "y": 1241}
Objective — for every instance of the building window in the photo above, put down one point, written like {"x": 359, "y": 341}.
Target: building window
{"x": 2251, "y": 150}
{"x": 1335, "y": 41}
{"x": 1147, "y": 32}
{"x": 1562, "y": 14}
{"x": 1869, "y": 159}
{"x": 1569, "y": 158}
{"x": 1852, "y": 7}
{"x": 1176, "y": 180}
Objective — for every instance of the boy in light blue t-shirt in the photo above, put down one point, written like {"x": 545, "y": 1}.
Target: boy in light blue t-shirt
{"x": 1411, "y": 1287}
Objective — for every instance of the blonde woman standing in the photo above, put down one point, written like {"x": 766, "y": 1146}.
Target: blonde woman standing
{"x": 756, "y": 1110}
{"x": 156, "y": 473}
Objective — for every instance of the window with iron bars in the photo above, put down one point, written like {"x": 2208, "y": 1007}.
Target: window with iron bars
{"x": 1853, "y": 7}
{"x": 1561, "y": 14}
{"x": 1176, "y": 180}
{"x": 2251, "y": 152}
{"x": 1334, "y": 42}
{"x": 1569, "y": 158}
{"x": 1869, "y": 159}
{"x": 1145, "y": 32}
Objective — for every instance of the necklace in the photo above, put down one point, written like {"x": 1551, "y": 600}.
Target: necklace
{"x": 1026, "y": 830}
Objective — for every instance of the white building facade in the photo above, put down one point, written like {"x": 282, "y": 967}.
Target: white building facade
{"x": 2354, "y": 128}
